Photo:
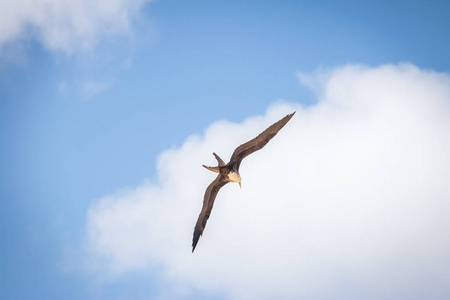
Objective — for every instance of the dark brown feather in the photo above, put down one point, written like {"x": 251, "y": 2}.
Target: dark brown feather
{"x": 208, "y": 202}
{"x": 257, "y": 143}
{"x": 240, "y": 153}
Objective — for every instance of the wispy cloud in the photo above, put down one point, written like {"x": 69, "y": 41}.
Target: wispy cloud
{"x": 349, "y": 201}
{"x": 91, "y": 88}
{"x": 66, "y": 25}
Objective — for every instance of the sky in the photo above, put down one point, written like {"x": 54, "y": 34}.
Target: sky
{"x": 108, "y": 109}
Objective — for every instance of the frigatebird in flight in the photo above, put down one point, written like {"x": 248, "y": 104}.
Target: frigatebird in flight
{"x": 230, "y": 172}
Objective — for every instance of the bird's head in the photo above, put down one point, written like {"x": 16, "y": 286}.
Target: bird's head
{"x": 234, "y": 177}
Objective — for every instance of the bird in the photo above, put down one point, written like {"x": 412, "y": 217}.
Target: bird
{"x": 230, "y": 172}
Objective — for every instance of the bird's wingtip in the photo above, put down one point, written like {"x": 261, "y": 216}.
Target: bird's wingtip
{"x": 289, "y": 116}
{"x": 195, "y": 241}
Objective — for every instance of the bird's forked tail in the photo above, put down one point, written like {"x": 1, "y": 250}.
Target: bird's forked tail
{"x": 214, "y": 169}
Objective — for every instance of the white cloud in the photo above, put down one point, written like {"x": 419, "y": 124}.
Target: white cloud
{"x": 349, "y": 201}
{"x": 65, "y": 25}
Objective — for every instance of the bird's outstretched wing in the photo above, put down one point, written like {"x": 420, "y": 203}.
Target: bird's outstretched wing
{"x": 258, "y": 142}
{"x": 208, "y": 202}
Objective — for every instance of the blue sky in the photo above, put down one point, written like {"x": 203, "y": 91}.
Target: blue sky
{"x": 87, "y": 113}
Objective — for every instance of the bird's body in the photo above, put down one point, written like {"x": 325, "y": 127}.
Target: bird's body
{"x": 234, "y": 177}
{"x": 230, "y": 172}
